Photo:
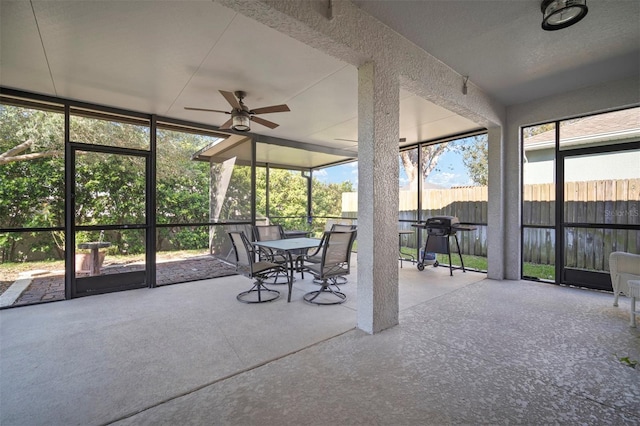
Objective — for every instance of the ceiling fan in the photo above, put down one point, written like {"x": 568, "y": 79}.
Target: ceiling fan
{"x": 241, "y": 115}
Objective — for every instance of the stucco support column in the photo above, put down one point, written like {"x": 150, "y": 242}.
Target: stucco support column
{"x": 513, "y": 206}
{"x": 496, "y": 221}
{"x": 378, "y": 129}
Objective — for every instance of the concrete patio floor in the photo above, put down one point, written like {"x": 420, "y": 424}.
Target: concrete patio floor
{"x": 467, "y": 351}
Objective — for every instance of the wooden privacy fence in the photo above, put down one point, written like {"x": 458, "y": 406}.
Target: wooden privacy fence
{"x": 468, "y": 203}
{"x": 594, "y": 202}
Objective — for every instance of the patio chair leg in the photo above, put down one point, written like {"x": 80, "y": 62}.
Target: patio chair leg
{"x": 326, "y": 288}
{"x": 337, "y": 293}
{"x": 259, "y": 288}
{"x": 317, "y": 293}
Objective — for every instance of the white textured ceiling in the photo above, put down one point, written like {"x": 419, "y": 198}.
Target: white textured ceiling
{"x": 499, "y": 43}
{"x": 158, "y": 57}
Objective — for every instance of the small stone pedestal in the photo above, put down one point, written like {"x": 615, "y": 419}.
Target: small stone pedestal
{"x": 95, "y": 257}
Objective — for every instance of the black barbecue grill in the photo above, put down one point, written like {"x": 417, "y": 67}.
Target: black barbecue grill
{"x": 439, "y": 230}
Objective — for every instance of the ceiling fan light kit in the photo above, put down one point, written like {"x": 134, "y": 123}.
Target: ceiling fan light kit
{"x": 558, "y": 14}
{"x": 241, "y": 123}
{"x": 241, "y": 115}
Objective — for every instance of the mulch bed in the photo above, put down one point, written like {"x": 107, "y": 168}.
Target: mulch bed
{"x": 51, "y": 287}
{"x": 4, "y": 285}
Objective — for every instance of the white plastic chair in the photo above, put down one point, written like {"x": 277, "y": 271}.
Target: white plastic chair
{"x": 623, "y": 267}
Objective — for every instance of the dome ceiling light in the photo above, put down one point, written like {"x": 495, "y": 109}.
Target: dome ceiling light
{"x": 558, "y": 14}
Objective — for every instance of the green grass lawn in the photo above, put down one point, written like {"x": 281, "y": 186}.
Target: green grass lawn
{"x": 543, "y": 272}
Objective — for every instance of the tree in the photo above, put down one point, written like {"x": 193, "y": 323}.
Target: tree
{"x": 182, "y": 190}
{"x": 430, "y": 156}
{"x": 327, "y": 198}
{"x": 287, "y": 195}
{"x": 30, "y": 134}
{"x": 541, "y": 128}
{"x": 31, "y": 176}
{"x": 476, "y": 158}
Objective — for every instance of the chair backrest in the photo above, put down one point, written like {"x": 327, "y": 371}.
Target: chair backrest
{"x": 330, "y": 222}
{"x": 336, "y": 256}
{"x": 268, "y": 232}
{"x": 623, "y": 267}
{"x": 244, "y": 252}
{"x": 340, "y": 227}
{"x": 262, "y": 221}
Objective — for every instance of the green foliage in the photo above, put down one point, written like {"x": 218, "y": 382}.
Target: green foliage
{"x": 188, "y": 238}
{"x": 327, "y": 198}
{"x": 287, "y": 197}
{"x": 106, "y": 132}
{"x": 109, "y": 189}
{"x": 182, "y": 185}
{"x": 476, "y": 158}
{"x": 627, "y": 361}
{"x": 31, "y": 192}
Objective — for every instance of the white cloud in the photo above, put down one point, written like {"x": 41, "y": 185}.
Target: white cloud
{"x": 448, "y": 179}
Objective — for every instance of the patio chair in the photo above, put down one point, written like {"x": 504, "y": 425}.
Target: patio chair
{"x": 247, "y": 265}
{"x": 270, "y": 233}
{"x": 315, "y": 255}
{"x": 335, "y": 263}
{"x": 623, "y": 267}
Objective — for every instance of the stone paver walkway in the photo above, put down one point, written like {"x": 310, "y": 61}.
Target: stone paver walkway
{"x": 51, "y": 287}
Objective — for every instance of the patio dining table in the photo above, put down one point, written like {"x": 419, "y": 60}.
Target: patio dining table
{"x": 289, "y": 246}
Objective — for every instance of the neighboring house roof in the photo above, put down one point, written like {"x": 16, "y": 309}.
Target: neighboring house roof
{"x": 621, "y": 126}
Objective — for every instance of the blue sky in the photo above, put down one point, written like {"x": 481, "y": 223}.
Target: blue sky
{"x": 449, "y": 172}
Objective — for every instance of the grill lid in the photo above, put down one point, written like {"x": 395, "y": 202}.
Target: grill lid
{"x": 442, "y": 221}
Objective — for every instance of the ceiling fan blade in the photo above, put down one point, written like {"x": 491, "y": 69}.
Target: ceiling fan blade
{"x": 269, "y": 109}
{"x": 264, "y": 122}
{"x": 205, "y": 109}
{"x": 226, "y": 124}
{"x": 231, "y": 98}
